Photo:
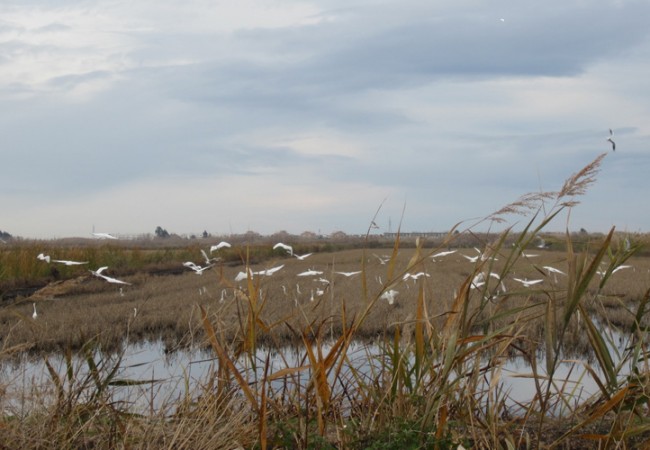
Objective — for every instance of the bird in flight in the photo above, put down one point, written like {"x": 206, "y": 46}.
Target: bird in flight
{"x": 526, "y": 282}
{"x": 218, "y": 246}
{"x": 349, "y": 274}
{"x": 286, "y": 247}
{"x": 196, "y": 268}
{"x": 104, "y": 236}
{"x": 610, "y": 140}
{"x": 302, "y": 257}
{"x": 98, "y": 273}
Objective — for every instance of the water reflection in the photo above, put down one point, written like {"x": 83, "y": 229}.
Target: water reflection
{"x": 173, "y": 376}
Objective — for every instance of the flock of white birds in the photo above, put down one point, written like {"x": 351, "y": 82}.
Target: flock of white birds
{"x": 388, "y": 294}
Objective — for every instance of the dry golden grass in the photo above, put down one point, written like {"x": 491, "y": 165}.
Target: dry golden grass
{"x": 166, "y": 306}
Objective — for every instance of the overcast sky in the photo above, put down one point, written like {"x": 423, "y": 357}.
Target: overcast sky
{"x": 271, "y": 115}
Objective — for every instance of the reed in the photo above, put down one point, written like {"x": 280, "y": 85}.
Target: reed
{"x": 432, "y": 366}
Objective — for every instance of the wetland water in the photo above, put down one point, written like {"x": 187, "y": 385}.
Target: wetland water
{"x": 168, "y": 377}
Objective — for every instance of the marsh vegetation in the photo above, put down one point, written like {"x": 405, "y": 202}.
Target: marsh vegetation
{"x": 435, "y": 353}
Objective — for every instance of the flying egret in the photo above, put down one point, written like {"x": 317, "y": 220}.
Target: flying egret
{"x": 43, "y": 257}
{"x": 414, "y": 276}
{"x": 471, "y": 259}
{"x": 389, "y": 296}
{"x": 104, "y": 236}
{"x": 382, "y": 259}
{"x": 69, "y": 263}
{"x": 219, "y": 246}
{"x": 303, "y": 257}
{"x": 98, "y": 273}
{"x": 610, "y": 140}
{"x": 441, "y": 254}
{"x": 551, "y": 269}
{"x": 310, "y": 273}
{"x": 349, "y": 274}
{"x": 35, "y": 314}
{"x": 621, "y": 268}
{"x": 197, "y": 269}
{"x": 269, "y": 272}
{"x": 526, "y": 282}
{"x": 286, "y": 247}
{"x": 207, "y": 259}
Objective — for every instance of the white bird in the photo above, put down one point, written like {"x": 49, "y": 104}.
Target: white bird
{"x": 610, "y": 140}
{"x": 414, "y": 276}
{"x": 382, "y": 259}
{"x": 197, "y": 269}
{"x": 207, "y": 259}
{"x": 242, "y": 276}
{"x": 223, "y": 296}
{"x": 471, "y": 259}
{"x": 542, "y": 244}
{"x": 69, "y": 263}
{"x": 349, "y": 274}
{"x": 529, "y": 255}
{"x": 98, "y": 273}
{"x": 389, "y": 296}
{"x": 219, "y": 246}
{"x": 621, "y": 268}
{"x": 527, "y": 283}
{"x": 310, "y": 273}
{"x": 43, "y": 257}
{"x": 441, "y": 254}
{"x": 303, "y": 257}
{"x": 104, "y": 236}
{"x": 269, "y": 272}
{"x": 286, "y": 247}
{"x": 551, "y": 269}
{"x": 35, "y": 314}
{"x": 478, "y": 281}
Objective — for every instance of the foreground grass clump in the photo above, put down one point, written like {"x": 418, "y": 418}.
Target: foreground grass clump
{"x": 433, "y": 375}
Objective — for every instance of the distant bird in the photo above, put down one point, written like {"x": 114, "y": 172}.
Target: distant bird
{"x": 471, "y": 259}
{"x": 349, "y": 274}
{"x": 310, "y": 273}
{"x": 621, "y": 268}
{"x": 527, "y": 283}
{"x": 478, "y": 281}
{"x": 502, "y": 19}
{"x": 389, "y": 296}
{"x": 98, "y": 273}
{"x": 610, "y": 140}
{"x": 35, "y": 314}
{"x": 382, "y": 259}
{"x": 69, "y": 263}
{"x": 551, "y": 269}
{"x": 542, "y": 244}
{"x": 223, "y": 296}
{"x": 104, "y": 236}
{"x": 242, "y": 275}
{"x": 286, "y": 247}
{"x": 207, "y": 259}
{"x": 269, "y": 272}
{"x": 374, "y": 225}
{"x": 303, "y": 257}
{"x": 219, "y": 246}
{"x": 43, "y": 257}
{"x": 196, "y": 268}
{"x": 529, "y": 255}
{"x": 414, "y": 276}
{"x": 441, "y": 254}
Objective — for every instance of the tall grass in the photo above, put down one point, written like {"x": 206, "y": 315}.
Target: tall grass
{"x": 433, "y": 379}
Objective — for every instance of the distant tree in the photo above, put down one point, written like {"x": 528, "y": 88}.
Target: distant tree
{"x": 205, "y": 234}
{"x": 161, "y": 232}
{"x": 4, "y": 235}
{"x": 583, "y": 231}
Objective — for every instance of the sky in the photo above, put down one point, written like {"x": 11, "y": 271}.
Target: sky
{"x": 285, "y": 115}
